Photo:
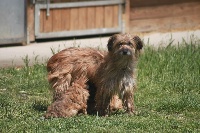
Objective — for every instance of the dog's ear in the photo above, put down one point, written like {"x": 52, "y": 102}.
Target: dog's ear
{"x": 111, "y": 41}
{"x": 138, "y": 42}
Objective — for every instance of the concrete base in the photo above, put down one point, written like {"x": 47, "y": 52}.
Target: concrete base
{"x": 41, "y": 52}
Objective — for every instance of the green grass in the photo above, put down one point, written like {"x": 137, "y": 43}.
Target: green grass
{"x": 167, "y": 98}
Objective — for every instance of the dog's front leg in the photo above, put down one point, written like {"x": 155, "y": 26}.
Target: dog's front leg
{"x": 102, "y": 102}
{"x": 105, "y": 109}
{"x": 128, "y": 101}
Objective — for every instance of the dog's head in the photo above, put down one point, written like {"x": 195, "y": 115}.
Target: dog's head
{"x": 124, "y": 44}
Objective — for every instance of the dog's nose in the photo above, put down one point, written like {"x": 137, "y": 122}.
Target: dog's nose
{"x": 126, "y": 52}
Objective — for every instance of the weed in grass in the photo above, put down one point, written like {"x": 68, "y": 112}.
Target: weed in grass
{"x": 54, "y": 51}
{"x": 75, "y": 44}
{"x": 26, "y": 61}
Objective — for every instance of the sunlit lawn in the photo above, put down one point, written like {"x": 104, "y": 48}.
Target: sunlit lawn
{"x": 167, "y": 98}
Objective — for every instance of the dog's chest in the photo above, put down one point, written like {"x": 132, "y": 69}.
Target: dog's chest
{"x": 127, "y": 81}
{"x": 122, "y": 82}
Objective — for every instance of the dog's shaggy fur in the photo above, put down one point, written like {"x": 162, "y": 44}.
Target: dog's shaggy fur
{"x": 71, "y": 102}
{"x": 62, "y": 67}
{"x": 112, "y": 74}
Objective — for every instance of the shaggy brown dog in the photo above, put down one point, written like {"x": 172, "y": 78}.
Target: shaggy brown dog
{"x": 116, "y": 75}
{"x": 71, "y": 102}
{"x": 111, "y": 73}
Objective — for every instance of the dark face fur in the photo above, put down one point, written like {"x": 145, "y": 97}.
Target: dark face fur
{"x": 124, "y": 45}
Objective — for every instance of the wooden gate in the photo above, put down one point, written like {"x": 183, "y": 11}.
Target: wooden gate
{"x": 78, "y": 18}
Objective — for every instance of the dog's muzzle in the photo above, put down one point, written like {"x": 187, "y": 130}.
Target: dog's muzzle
{"x": 125, "y": 52}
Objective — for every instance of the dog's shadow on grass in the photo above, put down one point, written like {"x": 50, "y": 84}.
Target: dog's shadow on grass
{"x": 40, "y": 106}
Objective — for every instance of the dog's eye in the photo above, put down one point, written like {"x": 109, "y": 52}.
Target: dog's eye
{"x": 129, "y": 44}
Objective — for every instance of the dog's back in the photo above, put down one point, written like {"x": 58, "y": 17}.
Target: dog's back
{"x": 71, "y": 59}
{"x": 62, "y": 67}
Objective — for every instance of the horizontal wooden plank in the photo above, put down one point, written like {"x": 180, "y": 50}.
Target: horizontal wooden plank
{"x": 166, "y": 24}
{"x": 183, "y": 9}
{"x": 142, "y": 3}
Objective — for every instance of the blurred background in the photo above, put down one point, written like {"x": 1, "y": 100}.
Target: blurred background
{"x": 27, "y": 21}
